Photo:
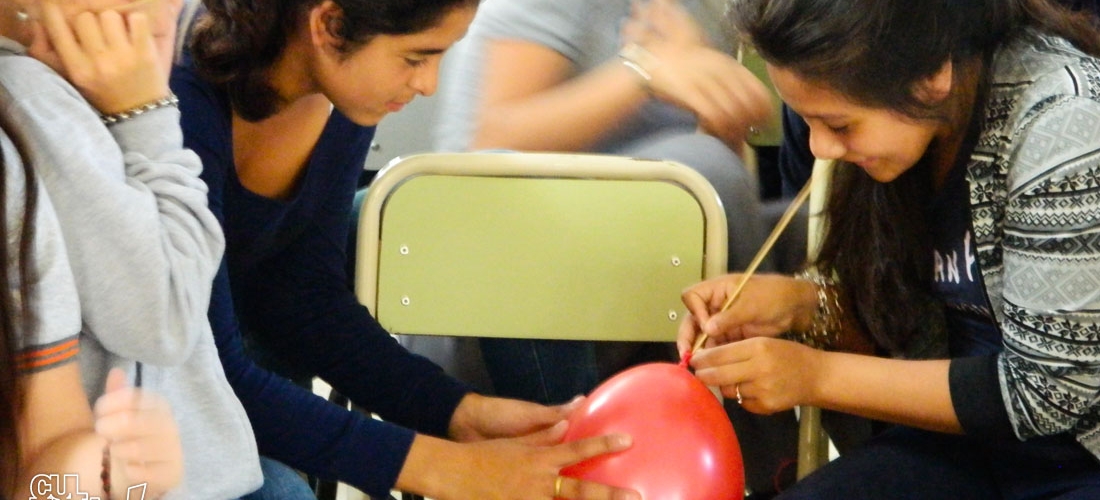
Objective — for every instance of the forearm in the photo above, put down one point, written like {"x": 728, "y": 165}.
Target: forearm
{"x": 134, "y": 218}
{"x": 850, "y": 336}
{"x": 822, "y": 307}
{"x": 913, "y": 393}
{"x": 571, "y": 116}
{"x": 162, "y": 233}
{"x": 79, "y": 452}
{"x": 326, "y": 331}
{"x": 434, "y": 467}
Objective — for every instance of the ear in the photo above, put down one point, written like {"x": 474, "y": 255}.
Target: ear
{"x": 324, "y": 24}
{"x": 938, "y": 86}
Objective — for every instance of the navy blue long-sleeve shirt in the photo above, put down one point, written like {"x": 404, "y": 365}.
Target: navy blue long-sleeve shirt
{"x": 284, "y": 276}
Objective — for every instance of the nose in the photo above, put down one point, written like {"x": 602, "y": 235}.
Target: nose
{"x": 825, "y": 144}
{"x": 426, "y": 79}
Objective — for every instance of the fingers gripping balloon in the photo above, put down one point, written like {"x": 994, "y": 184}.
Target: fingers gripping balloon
{"x": 684, "y": 445}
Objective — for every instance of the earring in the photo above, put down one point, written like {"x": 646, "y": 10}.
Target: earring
{"x": 22, "y": 16}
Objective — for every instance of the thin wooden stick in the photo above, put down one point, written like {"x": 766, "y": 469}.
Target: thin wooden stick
{"x": 799, "y": 200}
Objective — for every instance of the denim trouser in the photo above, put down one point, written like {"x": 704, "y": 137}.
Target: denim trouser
{"x": 280, "y": 483}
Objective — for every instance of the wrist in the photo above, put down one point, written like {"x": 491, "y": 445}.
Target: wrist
{"x": 463, "y": 425}
{"x": 169, "y": 100}
{"x": 806, "y": 302}
{"x": 820, "y": 379}
{"x": 641, "y": 64}
{"x": 822, "y": 331}
{"x": 430, "y": 466}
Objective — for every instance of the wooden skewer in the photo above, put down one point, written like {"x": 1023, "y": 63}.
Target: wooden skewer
{"x": 799, "y": 200}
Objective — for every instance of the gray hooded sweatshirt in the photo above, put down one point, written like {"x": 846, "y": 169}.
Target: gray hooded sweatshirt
{"x": 144, "y": 249}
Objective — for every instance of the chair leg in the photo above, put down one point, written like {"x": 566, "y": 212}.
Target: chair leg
{"x": 325, "y": 490}
{"x": 813, "y": 444}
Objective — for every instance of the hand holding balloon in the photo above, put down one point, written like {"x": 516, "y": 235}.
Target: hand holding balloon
{"x": 684, "y": 445}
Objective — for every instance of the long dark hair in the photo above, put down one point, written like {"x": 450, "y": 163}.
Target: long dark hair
{"x": 876, "y": 53}
{"x": 235, "y": 43}
{"x": 16, "y": 316}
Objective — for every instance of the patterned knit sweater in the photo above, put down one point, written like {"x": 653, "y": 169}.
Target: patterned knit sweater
{"x": 1034, "y": 181}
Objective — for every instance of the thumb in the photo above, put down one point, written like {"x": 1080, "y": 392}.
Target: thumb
{"x": 711, "y": 327}
{"x": 569, "y": 407}
{"x": 116, "y": 380}
{"x": 548, "y": 436}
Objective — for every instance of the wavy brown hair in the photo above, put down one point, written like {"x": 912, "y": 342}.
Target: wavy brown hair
{"x": 235, "y": 42}
{"x": 876, "y": 53}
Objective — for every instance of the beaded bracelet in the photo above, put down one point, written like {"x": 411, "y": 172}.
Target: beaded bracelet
{"x": 825, "y": 327}
{"x": 164, "y": 102}
{"x": 637, "y": 59}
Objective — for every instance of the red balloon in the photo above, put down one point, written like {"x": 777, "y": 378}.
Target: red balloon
{"x": 684, "y": 445}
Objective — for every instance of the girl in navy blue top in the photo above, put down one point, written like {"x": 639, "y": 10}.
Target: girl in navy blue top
{"x": 280, "y": 101}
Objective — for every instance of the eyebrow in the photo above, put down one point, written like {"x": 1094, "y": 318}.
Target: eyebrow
{"x": 824, "y": 117}
{"x": 428, "y": 52}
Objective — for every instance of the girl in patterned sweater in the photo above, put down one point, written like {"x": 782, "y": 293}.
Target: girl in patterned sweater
{"x": 965, "y": 200}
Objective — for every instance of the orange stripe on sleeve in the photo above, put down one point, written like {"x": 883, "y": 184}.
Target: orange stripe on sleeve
{"x": 68, "y": 344}
{"x": 48, "y": 357}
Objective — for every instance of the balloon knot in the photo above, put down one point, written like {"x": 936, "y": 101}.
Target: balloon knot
{"x": 685, "y": 360}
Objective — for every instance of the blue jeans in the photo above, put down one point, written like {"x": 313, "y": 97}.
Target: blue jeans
{"x": 904, "y": 463}
{"x": 555, "y": 371}
{"x": 544, "y": 371}
{"x": 280, "y": 483}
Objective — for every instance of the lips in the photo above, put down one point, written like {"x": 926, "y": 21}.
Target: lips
{"x": 864, "y": 163}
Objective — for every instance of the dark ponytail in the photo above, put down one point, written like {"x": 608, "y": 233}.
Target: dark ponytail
{"x": 16, "y": 315}
{"x": 235, "y": 43}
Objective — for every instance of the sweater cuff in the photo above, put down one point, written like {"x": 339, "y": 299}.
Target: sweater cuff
{"x": 976, "y": 396}
{"x": 383, "y": 447}
{"x": 150, "y": 134}
{"x": 443, "y": 394}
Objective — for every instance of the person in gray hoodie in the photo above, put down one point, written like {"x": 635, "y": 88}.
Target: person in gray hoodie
{"x": 141, "y": 242}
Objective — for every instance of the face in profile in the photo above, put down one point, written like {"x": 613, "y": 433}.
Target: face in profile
{"x": 388, "y": 72}
{"x": 883, "y": 142}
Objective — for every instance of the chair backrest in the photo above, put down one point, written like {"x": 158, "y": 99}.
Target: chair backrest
{"x": 770, "y": 133}
{"x": 536, "y": 245}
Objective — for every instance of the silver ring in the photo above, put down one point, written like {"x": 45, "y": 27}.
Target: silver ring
{"x": 753, "y": 130}
{"x": 737, "y": 391}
